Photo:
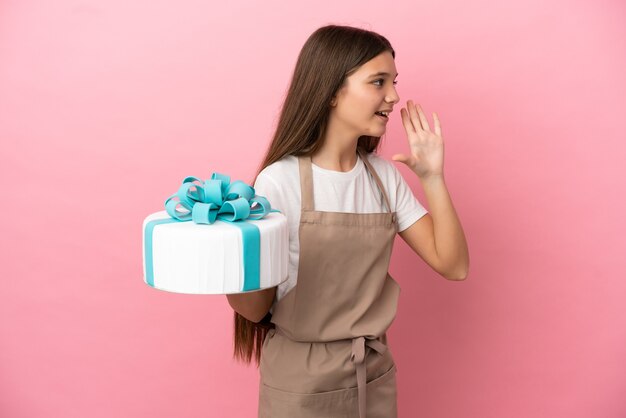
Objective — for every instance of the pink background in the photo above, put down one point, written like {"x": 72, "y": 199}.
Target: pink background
{"x": 106, "y": 106}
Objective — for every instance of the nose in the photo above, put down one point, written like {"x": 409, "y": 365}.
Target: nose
{"x": 392, "y": 96}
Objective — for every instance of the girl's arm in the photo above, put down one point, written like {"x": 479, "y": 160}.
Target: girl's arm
{"x": 253, "y": 305}
{"x": 438, "y": 237}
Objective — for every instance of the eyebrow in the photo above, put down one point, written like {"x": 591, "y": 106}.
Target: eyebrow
{"x": 381, "y": 73}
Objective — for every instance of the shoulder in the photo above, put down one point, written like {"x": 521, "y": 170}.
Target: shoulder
{"x": 280, "y": 173}
{"x": 385, "y": 169}
{"x": 277, "y": 169}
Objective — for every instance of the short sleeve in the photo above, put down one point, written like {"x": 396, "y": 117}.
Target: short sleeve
{"x": 268, "y": 188}
{"x": 408, "y": 208}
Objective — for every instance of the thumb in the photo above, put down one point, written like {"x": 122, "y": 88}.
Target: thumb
{"x": 401, "y": 158}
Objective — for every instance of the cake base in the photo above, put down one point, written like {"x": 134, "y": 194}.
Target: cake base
{"x": 190, "y": 258}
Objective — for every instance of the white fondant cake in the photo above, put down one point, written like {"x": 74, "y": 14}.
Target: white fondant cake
{"x": 186, "y": 257}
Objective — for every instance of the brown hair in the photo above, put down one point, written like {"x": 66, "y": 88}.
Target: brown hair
{"x": 330, "y": 55}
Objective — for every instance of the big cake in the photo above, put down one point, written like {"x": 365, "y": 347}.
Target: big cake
{"x": 215, "y": 237}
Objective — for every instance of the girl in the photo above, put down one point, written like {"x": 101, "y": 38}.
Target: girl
{"x": 320, "y": 337}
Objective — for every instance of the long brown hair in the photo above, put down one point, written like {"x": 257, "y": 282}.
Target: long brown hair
{"x": 330, "y": 55}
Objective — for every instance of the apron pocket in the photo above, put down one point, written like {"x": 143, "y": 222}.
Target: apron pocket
{"x": 382, "y": 379}
{"x": 381, "y": 401}
{"x": 276, "y": 403}
{"x": 382, "y": 396}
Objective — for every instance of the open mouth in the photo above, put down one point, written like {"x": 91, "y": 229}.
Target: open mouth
{"x": 382, "y": 115}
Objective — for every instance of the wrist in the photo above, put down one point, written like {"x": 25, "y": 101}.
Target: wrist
{"x": 432, "y": 178}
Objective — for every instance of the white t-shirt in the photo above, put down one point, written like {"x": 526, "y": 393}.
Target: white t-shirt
{"x": 354, "y": 191}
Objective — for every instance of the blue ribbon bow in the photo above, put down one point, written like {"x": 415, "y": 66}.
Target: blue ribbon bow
{"x": 206, "y": 201}
{"x": 217, "y": 198}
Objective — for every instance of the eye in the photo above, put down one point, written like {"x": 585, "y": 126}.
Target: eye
{"x": 382, "y": 79}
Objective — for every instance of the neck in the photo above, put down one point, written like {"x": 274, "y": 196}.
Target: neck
{"x": 336, "y": 155}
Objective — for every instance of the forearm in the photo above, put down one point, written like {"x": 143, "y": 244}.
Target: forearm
{"x": 252, "y": 305}
{"x": 450, "y": 242}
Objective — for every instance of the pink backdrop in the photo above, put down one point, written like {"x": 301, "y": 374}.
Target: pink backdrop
{"x": 106, "y": 106}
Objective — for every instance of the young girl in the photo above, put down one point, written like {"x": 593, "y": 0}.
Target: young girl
{"x": 320, "y": 337}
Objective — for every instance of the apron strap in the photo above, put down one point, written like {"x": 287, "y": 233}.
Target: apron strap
{"x": 376, "y": 178}
{"x": 306, "y": 182}
{"x": 358, "y": 357}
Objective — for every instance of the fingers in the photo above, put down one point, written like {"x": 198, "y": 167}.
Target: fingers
{"x": 422, "y": 118}
{"x": 406, "y": 121}
{"x": 437, "y": 124}
{"x": 415, "y": 118}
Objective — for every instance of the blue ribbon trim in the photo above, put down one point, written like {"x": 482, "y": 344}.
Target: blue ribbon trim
{"x": 148, "y": 246}
{"x": 203, "y": 202}
{"x": 251, "y": 239}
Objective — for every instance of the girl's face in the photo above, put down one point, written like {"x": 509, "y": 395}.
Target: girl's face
{"x": 364, "y": 93}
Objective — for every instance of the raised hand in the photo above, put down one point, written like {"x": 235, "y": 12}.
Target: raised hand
{"x": 426, "y": 147}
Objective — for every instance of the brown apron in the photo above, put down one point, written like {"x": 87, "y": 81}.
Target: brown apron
{"x": 327, "y": 356}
